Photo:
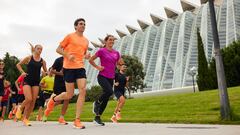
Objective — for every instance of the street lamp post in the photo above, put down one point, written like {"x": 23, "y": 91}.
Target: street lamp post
{"x": 224, "y": 101}
{"x": 193, "y": 72}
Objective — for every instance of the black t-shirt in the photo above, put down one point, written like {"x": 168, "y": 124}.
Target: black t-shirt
{"x": 121, "y": 78}
{"x": 14, "y": 89}
{"x": 58, "y": 65}
{"x": 1, "y": 81}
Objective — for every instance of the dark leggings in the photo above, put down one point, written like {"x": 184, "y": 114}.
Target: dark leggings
{"x": 107, "y": 86}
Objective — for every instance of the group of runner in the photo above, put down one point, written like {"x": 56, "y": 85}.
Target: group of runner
{"x": 67, "y": 70}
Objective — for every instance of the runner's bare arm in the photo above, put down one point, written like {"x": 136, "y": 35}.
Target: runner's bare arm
{"x": 44, "y": 66}
{"x": 91, "y": 61}
{"x": 20, "y": 63}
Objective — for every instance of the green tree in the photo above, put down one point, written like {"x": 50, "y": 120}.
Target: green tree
{"x": 231, "y": 63}
{"x": 231, "y": 60}
{"x": 212, "y": 75}
{"x": 203, "y": 72}
{"x": 136, "y": 73}
{"x": 10, "y": 70}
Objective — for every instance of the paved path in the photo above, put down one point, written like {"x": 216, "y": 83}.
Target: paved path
{"x": 53, "y": 128}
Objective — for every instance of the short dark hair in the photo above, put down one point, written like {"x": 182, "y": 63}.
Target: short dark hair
{"x": 107, "y": 37}
{"x": 78, "y": 20}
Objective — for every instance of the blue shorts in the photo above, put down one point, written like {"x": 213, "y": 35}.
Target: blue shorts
{"x": 71, "y": 75}
{"x": 1, "y": 92}
{"x": 4, "y": 103}
{"x": 14, "y": 99}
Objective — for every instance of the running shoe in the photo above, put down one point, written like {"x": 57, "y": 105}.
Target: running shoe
{"x": 114, "y": 119}
{"x": 50, "y": 106}
{"x": 19, "y": 113}
{"x": 10, "y": 115}
{"x": 62, "y": 121}
{"x": 97, "y": 120}
{"x": 38, "y": 118}
{"x": 44, "y": 119}
{"x": 26, "y": 122}
{"x": 77, "y": 124}
{"x": 1, "y": 119}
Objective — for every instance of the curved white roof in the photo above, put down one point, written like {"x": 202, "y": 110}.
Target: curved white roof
{"x": 156, "y": 19}
{"x": 187, "y": 6}
{"x": 96, "y": 45}
{"x": 203, "y": 1}
{"x": 143, "y": 24}
{"x": 120, "y": 33}
{"x": 131, "y": 29}
{"x": 171, "y": 13}
{"x": 101, "y": 40}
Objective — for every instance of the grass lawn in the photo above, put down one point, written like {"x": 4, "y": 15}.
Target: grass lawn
{"x": 200, "y": 107}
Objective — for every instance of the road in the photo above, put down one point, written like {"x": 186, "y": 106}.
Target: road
{"x": 53, "y": 128}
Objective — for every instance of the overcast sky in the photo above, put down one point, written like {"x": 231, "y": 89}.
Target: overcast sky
{"x": 47, "y": 22}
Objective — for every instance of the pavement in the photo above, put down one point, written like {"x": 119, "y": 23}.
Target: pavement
{"x": 53, "y": 128}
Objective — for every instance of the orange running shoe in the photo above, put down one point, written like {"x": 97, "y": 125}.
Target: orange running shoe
{"x": 15, "y": 110}
{"x": 118, "y": 116}
{"x": 77, "y": 124}
{"x": 26, "y": 122}
{"x": 15, "y": 119}
{"x": 62, "y": 121}
{"x": 10, "y": 115}
{"x": 38, "y": 118}
{"x": 1, "y": 119}
{"x": 50, "y": 106}
{"x": 114, "y": 119}
{"x": 19, "y": 113}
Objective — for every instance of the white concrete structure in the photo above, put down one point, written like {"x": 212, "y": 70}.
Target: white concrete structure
{"x": 168, "y": 47}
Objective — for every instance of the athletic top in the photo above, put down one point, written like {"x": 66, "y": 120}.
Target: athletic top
{"x": 77, "y": 46}
{"x": 108, "y": 60}
{"x": 1, "y": 81}
{"x": 6, "y": 93}
{"x": 49, "y": 81}
{"x": 122, "y": 80}
{"x": 20, "y": 81}
{"x": 58, "y": 65}
{"x": 14, "y": 89}
{"x": 34, "y": 70}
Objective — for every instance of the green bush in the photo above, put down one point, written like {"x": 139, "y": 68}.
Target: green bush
{"x": 93, "y": 93}
{"x": 74, "y": 99}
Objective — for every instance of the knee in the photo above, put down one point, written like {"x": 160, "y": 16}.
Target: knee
{"x": 28, "y": 99}
{"x": 109, "y": 93}
{"x": 122, "y": 99}
{"x": 82, "y": 92}
{"x": 69, "y": 95}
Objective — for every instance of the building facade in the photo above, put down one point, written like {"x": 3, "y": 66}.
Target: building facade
{"x": 168, "y": 47}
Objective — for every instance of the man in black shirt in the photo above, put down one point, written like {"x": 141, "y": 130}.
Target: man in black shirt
{"x": 59, "y": 87}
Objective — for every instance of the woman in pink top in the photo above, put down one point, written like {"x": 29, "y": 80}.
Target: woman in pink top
{"x": 109, "y": 58}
